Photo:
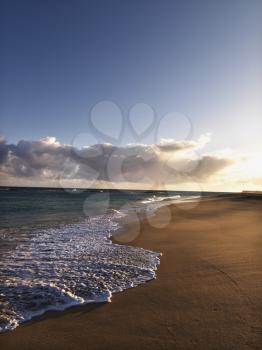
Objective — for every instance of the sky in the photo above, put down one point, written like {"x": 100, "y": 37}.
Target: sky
{"x": 132, "y": 72}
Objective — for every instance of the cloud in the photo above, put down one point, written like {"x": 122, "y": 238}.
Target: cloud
{"x": 169, "y": 145}
{"x": 3, "y": 150}
{"x": 211, "y": 164}
{"x": 48, "y": 162}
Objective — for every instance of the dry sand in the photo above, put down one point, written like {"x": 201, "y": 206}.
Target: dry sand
{"x": 207, "y": 295}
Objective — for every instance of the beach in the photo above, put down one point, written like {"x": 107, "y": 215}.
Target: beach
{"x": 207, "y": 294}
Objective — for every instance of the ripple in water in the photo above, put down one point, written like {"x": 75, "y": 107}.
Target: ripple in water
{"x": 52, "y": 269}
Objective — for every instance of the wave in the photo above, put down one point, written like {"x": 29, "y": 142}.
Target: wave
{"x": 153, "y": 203}
{"x": 155, "y": 198}
{"x": 53, "y": 269}
{"x": 44, "y": 269}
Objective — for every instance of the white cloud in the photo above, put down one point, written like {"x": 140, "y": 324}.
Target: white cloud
{"x": 168, "y": 163}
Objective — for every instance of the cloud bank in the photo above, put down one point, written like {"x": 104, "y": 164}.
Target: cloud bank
{"x": 46, "y": 162}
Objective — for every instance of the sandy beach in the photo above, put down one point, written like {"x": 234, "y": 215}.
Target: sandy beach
{"x": 207, "y": 295}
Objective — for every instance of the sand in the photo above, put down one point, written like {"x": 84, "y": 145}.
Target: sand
{"x": 207, "y": 295}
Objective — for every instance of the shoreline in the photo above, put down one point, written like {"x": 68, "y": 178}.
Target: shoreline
{"x": 207, "y": 294}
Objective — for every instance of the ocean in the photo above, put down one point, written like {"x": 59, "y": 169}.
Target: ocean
{"x": 56, "y": 251}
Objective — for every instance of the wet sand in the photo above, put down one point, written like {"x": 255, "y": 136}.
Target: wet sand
{"x": 207, "y": 295}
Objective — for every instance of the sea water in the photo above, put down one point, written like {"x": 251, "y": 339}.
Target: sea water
{"x": 55, "y": 248}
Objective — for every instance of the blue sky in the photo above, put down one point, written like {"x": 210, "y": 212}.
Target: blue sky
{"x": 198, "y": 58}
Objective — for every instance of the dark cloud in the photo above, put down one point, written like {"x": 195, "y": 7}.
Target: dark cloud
{"x": 3, "y": 150}
{"x": 208, "y": 165}
{"x": 47, "y": 160}
{"x": 171, "y": 145}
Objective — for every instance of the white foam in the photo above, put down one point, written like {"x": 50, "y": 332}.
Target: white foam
{"x": 153, "y": 203}
{"x": 53, "y": 269}
{"x": 155, "y": 199}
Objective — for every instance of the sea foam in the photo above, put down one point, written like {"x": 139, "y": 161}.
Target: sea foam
{"x": 55, "y": 268}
